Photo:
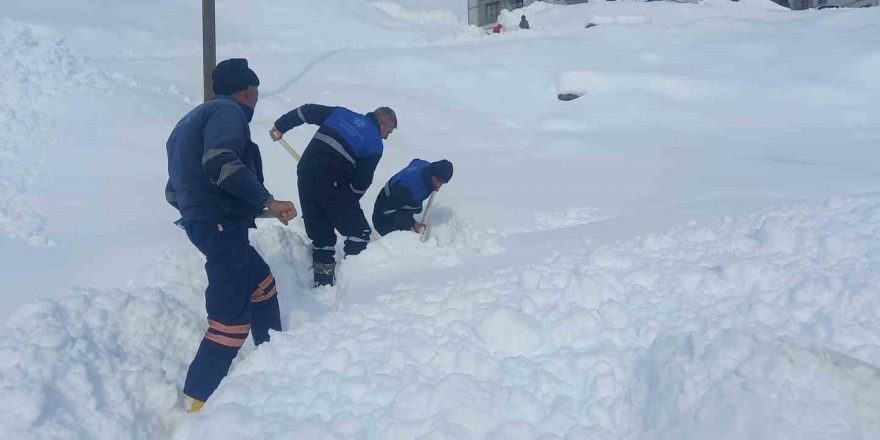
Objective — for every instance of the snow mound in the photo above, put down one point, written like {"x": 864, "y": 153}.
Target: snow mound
{"x": 769, "y": 5}
{"x": 551, "y": 18}
{"x": 36, "y": 69}
{"x": 672, "y": 335}
{"x": 741, "y": 385}
{"x": 668, "y": 335}
{"x": 98, "y": 364}
{"x": 418, "y": 17}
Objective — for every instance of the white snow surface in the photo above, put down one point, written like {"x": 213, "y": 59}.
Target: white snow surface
{"x": 689, "y": 250}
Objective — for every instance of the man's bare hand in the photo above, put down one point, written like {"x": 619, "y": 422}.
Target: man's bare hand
{"x": 283, "y": 210}
{"x": 275, "y": 134}
{"x": 419, "y": 227}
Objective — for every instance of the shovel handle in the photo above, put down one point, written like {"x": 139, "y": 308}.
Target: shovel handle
{"x": 289, "y": 149}
{"x": 422, "y": 235}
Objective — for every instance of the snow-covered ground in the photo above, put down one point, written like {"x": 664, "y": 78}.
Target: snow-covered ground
{"x": 689, "y": 250}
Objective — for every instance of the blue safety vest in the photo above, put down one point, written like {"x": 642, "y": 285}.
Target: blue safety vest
{"x": 360, "y": 133}
{"x": 412, "y": 178}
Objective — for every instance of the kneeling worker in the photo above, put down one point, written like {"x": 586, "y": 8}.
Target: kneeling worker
{"x": 403, "y": 195}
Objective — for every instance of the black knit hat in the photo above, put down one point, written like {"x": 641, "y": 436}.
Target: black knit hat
{"x": 442, "y": 169}
{"x": 233, "y": 75}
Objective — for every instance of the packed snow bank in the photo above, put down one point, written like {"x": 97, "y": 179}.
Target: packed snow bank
{"x": 77, "y": 168}
{"x": 45, "y": 130}
{"x": 547, "y": 17}
{"x": 98, "y": 364}
{"x": 110, "y": 364}
{"x": 678, "y": 334}
{"x": 36, "y": 69}
{"x": 737, "y": 385}
{"x": 704, "y": 331}
{"x": 131, "y": 29}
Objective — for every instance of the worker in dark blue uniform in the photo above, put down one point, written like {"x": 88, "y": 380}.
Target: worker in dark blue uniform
{"x": 402, "y": 196}
{"x": 215, "y": 180}
{"x": 335, "y": 171}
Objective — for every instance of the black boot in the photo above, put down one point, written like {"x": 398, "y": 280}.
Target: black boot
{"x": 325, "y": 274}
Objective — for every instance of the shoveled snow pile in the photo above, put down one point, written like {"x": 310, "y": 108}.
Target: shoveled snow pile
{"x": 35, "y": 69}
{"x": 703, "y": 331}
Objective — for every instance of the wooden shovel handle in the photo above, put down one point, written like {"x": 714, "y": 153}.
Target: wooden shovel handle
{"x": 289, "y": 149}
{"x": 425, "y": 216}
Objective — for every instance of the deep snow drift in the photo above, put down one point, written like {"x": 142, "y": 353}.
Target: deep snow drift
{"x": 689, "y": 250}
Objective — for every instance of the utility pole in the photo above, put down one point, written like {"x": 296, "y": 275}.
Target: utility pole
{"x": 209, "y": 46}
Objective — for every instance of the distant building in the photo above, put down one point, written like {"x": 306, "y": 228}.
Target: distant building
{"x": 485, "y": 12}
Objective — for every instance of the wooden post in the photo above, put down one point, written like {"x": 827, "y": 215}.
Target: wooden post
{"x": 209, "y": 46}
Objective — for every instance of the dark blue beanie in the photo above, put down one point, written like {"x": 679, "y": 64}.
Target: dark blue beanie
{"x": 233, "y": 75}
{"x": 442, "y": 169}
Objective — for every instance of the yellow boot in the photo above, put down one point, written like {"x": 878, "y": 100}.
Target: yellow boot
{"x": 193, "y": 405}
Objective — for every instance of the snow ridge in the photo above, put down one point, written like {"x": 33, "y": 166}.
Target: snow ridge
{"x": 670, "y": 335}
{"x": 35, "y": 69}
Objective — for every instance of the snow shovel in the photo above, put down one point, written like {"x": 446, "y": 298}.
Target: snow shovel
{"x": 424, "y": 235}
{"x": 266, "y": 213}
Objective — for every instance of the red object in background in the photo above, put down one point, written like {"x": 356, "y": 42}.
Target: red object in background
{"x": 496, "y": 29}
